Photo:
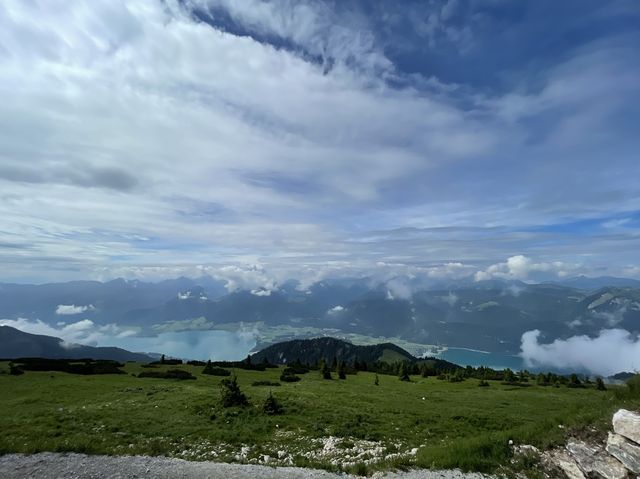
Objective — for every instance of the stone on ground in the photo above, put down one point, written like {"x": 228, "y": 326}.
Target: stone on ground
{"x": 564, "y": 462}
{"x": 594, "y": 462}
{"x": 627, "y": 452}
{"x": 627, "y": 424}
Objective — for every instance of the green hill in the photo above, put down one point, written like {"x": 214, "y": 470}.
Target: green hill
{"x": 310, "y": 351}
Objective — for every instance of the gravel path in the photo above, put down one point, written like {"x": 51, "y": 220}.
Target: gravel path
{"x": 48, "y": 465}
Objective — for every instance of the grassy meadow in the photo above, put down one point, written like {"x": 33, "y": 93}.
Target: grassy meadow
{"x": 349, "y": 424}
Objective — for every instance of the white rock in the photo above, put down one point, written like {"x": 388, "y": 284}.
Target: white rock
{"x": 593, "y": 461}
{"x": 627, "y": 452}
{"x": 627, "y": 424}
{"x": 566, "y": 464}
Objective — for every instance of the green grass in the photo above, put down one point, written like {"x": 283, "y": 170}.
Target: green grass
{"x": 455, "y": 425}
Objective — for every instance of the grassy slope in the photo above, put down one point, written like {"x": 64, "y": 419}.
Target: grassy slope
{"x": 456, "y": 425}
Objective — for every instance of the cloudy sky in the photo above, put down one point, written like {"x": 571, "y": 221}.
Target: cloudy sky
{"x": 154, "y": 138}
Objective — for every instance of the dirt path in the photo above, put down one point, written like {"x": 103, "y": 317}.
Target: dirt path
{"x": 79, "y": 466}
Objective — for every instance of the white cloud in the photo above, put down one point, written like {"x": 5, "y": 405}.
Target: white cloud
{"x": 249, "y": 277}
{"x": 454, "y": 270}
{"x": 71, "y": 309}
{"x": 93, "y": 159}
{"x": 134, "y": 136}
{"x": 82, "y": 332}
{"x": 336, "y": 310}
{"x": 313, "y": 26}
{"x": 451, "y": 299}
{"x": 612, "y": 351}
{"x": 521, "y": 268}
{"x": 399, "y": 288}
{"x": 261, "y": 292}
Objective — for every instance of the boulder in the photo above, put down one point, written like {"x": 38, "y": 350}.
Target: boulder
{"x": 563, "y": 461}
{"x": 594, "y": 462}
{"x": 627, "y": 424}
{"x": 627, "y": 452}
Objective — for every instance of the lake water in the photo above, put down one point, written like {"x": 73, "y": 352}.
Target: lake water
{"x": 468, "y": 357}
{"x": 232, "y": 346}
{"x": 202, "y": 345}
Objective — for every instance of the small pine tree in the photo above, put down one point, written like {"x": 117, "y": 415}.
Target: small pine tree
{"x": 230, "y": 393}
{"x": 404, "y": 373}
{"x": 271, "y": 406}
{"x": 207, "y": 367}
{"x": 509, "y": 376}
{"x": 376, "y": 381}
{"x": 161, "y": 359}
{"x": 325, "y": 371}
{"x": 600, "y": 385}
{"x": 342, "y": 370}
{"x": 574, "y": 381}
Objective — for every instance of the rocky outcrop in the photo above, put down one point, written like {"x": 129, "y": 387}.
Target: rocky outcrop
{"x": 595, "y": 462}
{"x": 627, "y": 424}
{"x": 618, "y": 459}
{"x": 625, "y": 451}
{"x": 564, "y": 462}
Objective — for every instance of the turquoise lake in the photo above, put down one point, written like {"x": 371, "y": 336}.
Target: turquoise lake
{"x": 467, "y": 357}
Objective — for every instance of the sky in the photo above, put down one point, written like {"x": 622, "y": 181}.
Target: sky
{"x": 151, "y": 139}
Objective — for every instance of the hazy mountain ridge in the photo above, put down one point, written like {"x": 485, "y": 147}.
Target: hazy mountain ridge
{"x": 486, "y": 315}
{"x": 18, "y": 344}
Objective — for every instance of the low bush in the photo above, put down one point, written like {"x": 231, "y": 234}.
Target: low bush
{"x": 289, "y": 378}
{"x": 168, "y": 362}
{"x": 170, "y": 374}
{"x": 265, "y": 383}
{"x": 72, "y": 366}
{"x": 196, "y": 363}
{"x": 215, "y": 371}
{"x": 296, "y": 369}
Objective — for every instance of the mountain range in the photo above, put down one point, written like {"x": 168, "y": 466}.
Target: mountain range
{"x": 485, "y": 315}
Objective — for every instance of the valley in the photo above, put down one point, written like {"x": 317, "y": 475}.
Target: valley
{"x": 488, "y": 316}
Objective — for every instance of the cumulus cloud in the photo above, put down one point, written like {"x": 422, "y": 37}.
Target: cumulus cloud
{"x": 247, "y": 277}
{"x": 522, "y": 267}
{"x": 82, "y": 332}
{"x": 399, "y": 288}
{"x": 336, "y": 310}
{"x": 612, "y": 351}
{"x": 455, "y": 270}
{"x": 261, "y": 292}
{"x": 72, "y": 309}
